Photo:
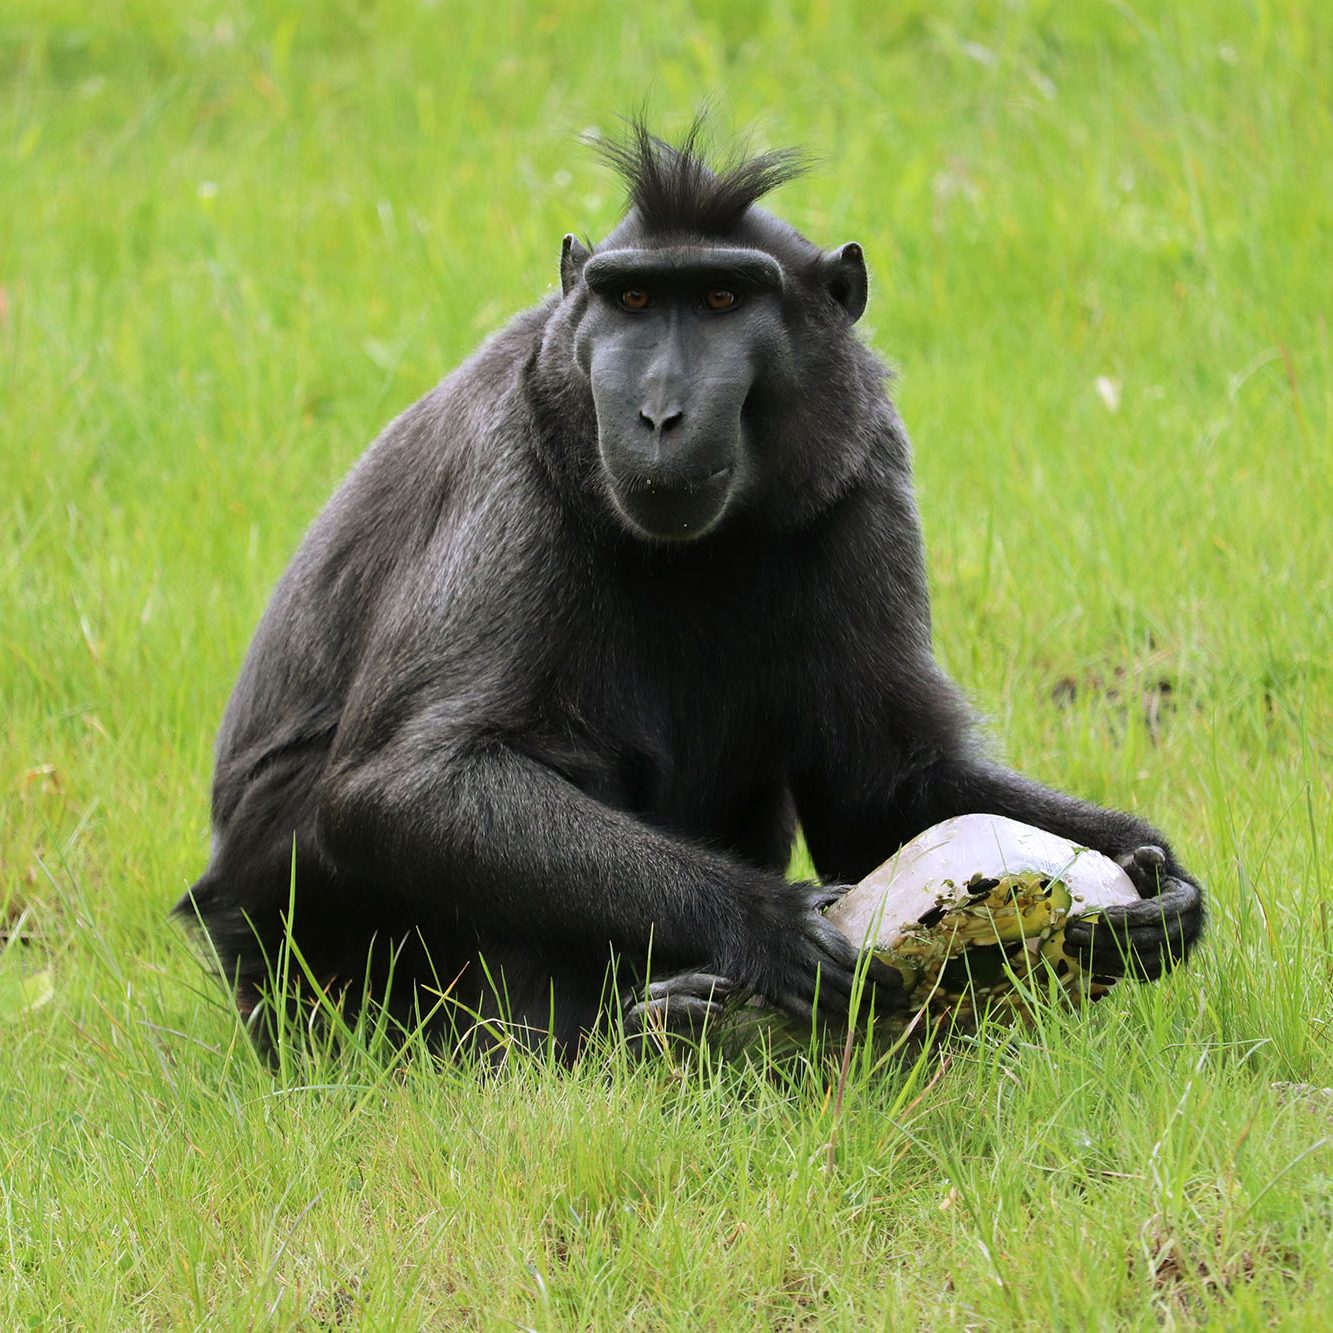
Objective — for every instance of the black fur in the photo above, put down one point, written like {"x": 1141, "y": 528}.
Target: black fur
{"x": 535, "y": 693}
{"x": 674, "y": 190}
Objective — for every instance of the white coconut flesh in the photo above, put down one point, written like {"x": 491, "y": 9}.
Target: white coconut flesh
{"x": 973, "y": 912}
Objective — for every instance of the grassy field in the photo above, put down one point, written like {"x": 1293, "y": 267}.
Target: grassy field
{"x": 236, "y": 238}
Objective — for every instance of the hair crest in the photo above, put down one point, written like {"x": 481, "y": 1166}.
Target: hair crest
{"x": 673, "y": 188}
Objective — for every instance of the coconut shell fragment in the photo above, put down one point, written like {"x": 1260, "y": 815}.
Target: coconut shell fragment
{"x": 972, "y": 913}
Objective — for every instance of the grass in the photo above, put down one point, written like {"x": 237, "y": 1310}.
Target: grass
{"x": 235, "y": 239}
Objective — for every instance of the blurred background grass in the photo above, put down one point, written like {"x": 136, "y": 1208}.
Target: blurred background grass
{"x": 236, "y": 238}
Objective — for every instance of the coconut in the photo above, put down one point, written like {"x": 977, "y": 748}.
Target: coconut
{"x": 972, "y": 913}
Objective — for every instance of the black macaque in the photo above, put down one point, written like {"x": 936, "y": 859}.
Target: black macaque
{"x": 542, "y": 697}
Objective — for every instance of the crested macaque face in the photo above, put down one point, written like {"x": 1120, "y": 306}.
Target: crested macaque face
{"x": 674, "y": 341}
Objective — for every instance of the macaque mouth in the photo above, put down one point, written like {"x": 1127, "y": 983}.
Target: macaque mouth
{"x": 666, "y": 485}
{"x": 673, "y": 508}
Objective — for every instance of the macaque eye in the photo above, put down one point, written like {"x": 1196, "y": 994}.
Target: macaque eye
{"x": 720, "y": 299}
{"x": 635, "y": 299}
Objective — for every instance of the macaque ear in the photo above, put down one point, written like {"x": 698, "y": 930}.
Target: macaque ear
{"x": 844, "y": 274}
{"x": 573, "y": 256}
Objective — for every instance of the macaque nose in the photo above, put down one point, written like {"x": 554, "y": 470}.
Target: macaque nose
{"x": 660, "y": 421}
